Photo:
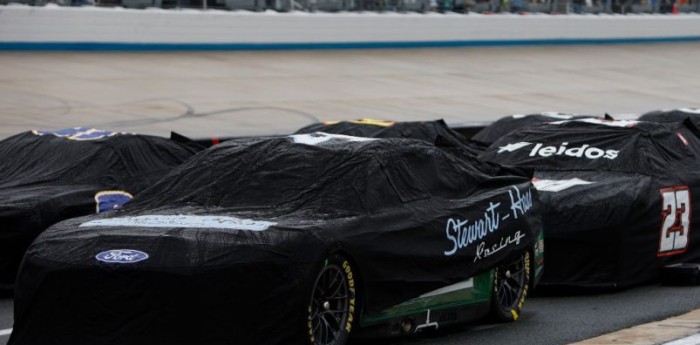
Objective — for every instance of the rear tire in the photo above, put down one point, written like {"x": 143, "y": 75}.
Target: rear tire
{"x": 332, "y": 309}
{"x": 510, "y": 285}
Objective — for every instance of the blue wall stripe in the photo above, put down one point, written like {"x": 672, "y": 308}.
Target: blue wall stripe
{"x": 114, "y": 46}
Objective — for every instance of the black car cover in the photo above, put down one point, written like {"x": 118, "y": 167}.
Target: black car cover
{"x": 672, "y": 115}
{"x": 49, "y": 176}
{"x": 617, "y": 197}
{"x": 507, "y": 124}
{"x": 225, "y": 248}
{"x": 435, "y": 132}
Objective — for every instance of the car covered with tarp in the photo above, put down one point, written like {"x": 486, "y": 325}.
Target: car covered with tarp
{"x": 49, "y": 176}
{"x": 507, "y": 124}
{"x": 301, "y": 239}
{"x": 670, "y": 115}
{"x": 436, "y": 132}
{"x": 618, "y": 197}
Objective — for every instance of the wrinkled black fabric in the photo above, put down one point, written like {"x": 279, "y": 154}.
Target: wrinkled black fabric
{"x": 505, "y": 125}
{"x": 673, "y": 115}
{"x": 435, "y": 132}
{"x": 389, "y": 205}
{"x": 607, "y": 233}
{"x": 45, "y": 179}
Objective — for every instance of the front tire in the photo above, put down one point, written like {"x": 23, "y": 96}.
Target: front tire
{"x": 332, "y": 309}
{"x": 510, "y": 285}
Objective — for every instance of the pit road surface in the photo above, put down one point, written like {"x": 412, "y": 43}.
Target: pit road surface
{"x": 545, "y": 320}
{"x": 244, "y": 93}
{"x": 203, "y": 94}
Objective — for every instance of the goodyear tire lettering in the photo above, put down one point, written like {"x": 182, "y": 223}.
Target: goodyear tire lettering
{"x": 345, "y": 268}
{"x": 511, "y": 311}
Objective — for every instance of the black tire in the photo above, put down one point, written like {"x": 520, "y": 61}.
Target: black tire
{"x": 332, "y": 311}
{"x": 510, "y": 285}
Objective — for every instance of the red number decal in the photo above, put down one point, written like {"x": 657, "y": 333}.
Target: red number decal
{"x": 675, "y": 225}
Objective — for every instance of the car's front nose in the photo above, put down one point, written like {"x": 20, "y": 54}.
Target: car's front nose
{"x": 158, "y": 286}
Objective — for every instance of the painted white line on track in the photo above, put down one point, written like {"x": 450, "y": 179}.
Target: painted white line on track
{"x": 684, "y": 328}
{"x": 691, "y": 340}
{"x": 5, "y": 331}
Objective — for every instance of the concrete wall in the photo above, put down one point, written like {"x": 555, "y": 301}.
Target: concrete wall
{"x": 53, "y": 27}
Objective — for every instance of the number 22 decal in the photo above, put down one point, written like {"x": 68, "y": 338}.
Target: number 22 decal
{"x": 675, "y": 225}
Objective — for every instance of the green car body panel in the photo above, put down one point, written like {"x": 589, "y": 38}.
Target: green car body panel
{"x": 462, "y": 302}
{"x": 479, "y": 290}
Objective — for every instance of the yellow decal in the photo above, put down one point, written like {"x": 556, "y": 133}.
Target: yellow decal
{"x": 371, "y": 122}
{"x": 515, "y": 314}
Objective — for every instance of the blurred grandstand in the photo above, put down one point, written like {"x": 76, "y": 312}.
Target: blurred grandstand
{"x": 457, "y": 6}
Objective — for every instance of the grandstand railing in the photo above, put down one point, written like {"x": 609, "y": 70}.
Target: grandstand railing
{"x": 455, "y": 6}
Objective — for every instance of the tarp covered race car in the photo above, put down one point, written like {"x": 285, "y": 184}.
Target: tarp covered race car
{"x": 49, "y": 176}
{"x": 507, "y": 124}
{"x": 288, "y": 240}
{"x": 670, "y": 115}
{"x": 435, "y": 132}
{"x": 618, "y": 197}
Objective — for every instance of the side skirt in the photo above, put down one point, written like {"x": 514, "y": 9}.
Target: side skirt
{"x": 431, "y": 319}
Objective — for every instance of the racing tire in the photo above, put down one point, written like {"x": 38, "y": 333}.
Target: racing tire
{"x": 332, "y": 311}
{"x": 511, "y": 281}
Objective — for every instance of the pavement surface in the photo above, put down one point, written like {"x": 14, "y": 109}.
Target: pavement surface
{"x": 243, "y": 93}
{"x": 687, "y": 325}
{"x": 548, "y": 320}
{"x": 565, "y": 320}
{"x": 247, "y": 93}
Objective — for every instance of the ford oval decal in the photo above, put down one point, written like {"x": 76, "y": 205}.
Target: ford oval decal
{"x": 121, "y": 256}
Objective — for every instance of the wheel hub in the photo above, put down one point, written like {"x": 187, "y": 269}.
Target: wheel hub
{"x": 326, "y": 305}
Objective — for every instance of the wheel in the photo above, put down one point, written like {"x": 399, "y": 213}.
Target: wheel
{"x": 510, "y": 284}
{"x": 332, "y": 310}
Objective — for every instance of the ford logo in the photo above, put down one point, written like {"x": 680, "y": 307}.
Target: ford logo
{"x": 121, "y": 256}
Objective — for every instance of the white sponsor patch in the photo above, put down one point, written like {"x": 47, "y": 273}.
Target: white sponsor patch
{"x": 582, "y": 151}
{"x": 558, "y": 185}
{"x": 320, "y": 137}
{"x": 183, "y": 221}
{"x": 78, "y": 133}
{"x": 690, "y": 110}
{"x": 689, "y": 340}
{"x": 602, "y": 122}
{"x": 513, "y": 147}
{"x": 552, "y": 114}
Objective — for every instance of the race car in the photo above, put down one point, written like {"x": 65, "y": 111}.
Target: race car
{"x": 670, "y": 115}
{"x": 507, "y": 124}
{"x": 49, "y": 176}
{"x": 435, "y": 132}
{"x": 301, "y": 239}
{"x": 617, "y": 198}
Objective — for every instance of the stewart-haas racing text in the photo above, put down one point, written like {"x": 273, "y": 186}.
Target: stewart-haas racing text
{"x": 463, "y": 233}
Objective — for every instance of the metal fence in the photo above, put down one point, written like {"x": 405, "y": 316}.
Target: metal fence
{"x": 458, "y": 6}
